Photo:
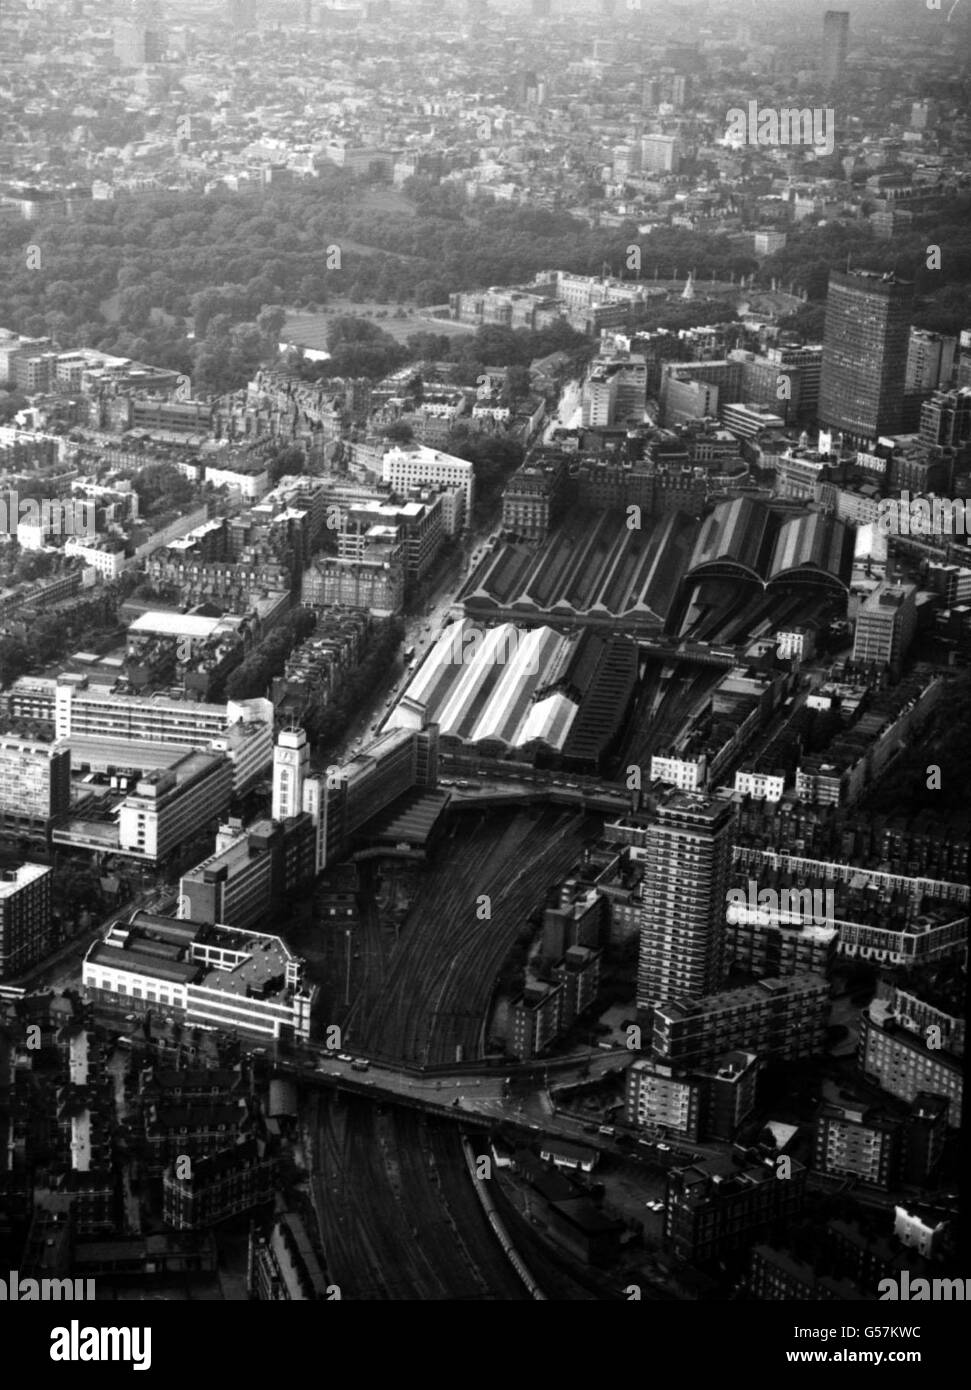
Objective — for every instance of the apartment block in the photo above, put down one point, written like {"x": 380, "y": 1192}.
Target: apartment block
{"x": 658, "y": 1097}
{"x": 900, "y": 1062}
{"x": 35, "y": 783}
{"x": 219, "y": 1185}
{"x": 535, "y": 1019}
{"x": 709, "y": 1103}
{"x": 683, "y": 894}
{"x": 777, "y": 1276}
{"x": 714, "y": 1206}
{"x": 857, "y": 1143}
{"x": 782, "y": 1018}
{"x": 26, "y": 924}
{"x": 775, "y": 949}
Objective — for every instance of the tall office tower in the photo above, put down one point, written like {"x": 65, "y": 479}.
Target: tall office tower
{"x": 930, "y": 361}
{"x": 885, "y": 625}
{"x": 836, "y": 36}
{"x": 35, "y": 784}
{"x": 524, "y": 88}
{"x": 138, "y": 44}
{"x": 661, "y": 153}
{"x": 291, "y": 764}
{"x": 865, "y": 345}
{"x": 139, "y": 38}
{"x": 684, "y": 899}
{"x": 25, "y": 917}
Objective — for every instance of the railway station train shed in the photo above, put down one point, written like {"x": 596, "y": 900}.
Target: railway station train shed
{"x": 745, "y": 541}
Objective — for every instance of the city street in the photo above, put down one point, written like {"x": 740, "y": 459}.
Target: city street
{"x": 422, "y": 628}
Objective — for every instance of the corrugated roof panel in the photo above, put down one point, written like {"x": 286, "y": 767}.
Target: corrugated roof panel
{"x": 549, "y": 721}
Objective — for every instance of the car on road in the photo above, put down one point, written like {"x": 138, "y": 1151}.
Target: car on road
{"x": 344, "y": 1057}
{"x": 664, "y": 1148}
{"x": 607, "y": 1130}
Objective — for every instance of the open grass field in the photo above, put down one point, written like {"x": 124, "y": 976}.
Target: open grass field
{"x": 310, "y": 330}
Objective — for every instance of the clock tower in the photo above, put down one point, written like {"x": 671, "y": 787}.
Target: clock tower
{"x": 291, "y": 764}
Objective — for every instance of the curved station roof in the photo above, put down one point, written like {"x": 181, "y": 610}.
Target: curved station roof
{"x": 745, "y": 540}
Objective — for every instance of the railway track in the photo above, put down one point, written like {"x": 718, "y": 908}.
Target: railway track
{"x": 398, "y": 1218}
{"x": 437, "y": 990}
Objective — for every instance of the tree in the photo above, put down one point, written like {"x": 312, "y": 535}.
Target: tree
{"x": 10, "y": 403}
{"x": 517, "y": 386}
{"x": 134, "y": 306}
{"x": 350, "y": 329}
{"x": 289, "y": 458}
{"x": 430, "y": 347}
{"x": 399, "y": 432}
{"x": 494, "y": 459}
{"x": 14, "y": 660}
{"x": 431, "y": 292}
{"x": 270, "y": 321}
